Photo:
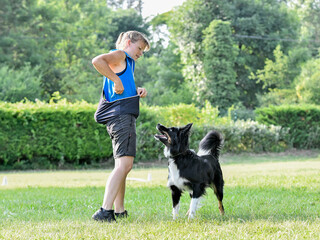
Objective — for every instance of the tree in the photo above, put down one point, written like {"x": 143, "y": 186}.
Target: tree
{"x": 126, "y": 20}
{"x": 17, "y": 85}
{"x": 281, "y": 72}
{"x": 275, "y": 73}
{"x": 18, "y": 27}
{"x": 257, "y": 27}
{"x": 308, "y": 87}
{"x": 309, "y": 14}
{"x": 219, "y": 84}
{"x": 161, "y": 75}
{"x": 126, "y": 4}
{"x": 61, "y": 37}
{"x": 311, "y": 24}
{"x": 278, "y": 76}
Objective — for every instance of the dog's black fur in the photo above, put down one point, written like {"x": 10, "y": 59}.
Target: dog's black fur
{"x": 190, "y": 171}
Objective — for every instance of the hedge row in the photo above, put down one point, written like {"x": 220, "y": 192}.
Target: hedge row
{"x": 57, "y": 134}
{"x": 303, "y": 123}
{"x": 50, "y": 134}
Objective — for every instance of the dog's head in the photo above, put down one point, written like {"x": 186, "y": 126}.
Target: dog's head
{"x": 176, "y": 139}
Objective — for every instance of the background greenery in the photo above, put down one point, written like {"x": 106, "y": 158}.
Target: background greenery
{"x": 303, "y": 123}
{"x": 245, "y": 53}
{"x": 219, "y": 64}
{"x": 59, "y": 135}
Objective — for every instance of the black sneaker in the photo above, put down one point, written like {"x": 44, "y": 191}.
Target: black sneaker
{"x": 122, "y": 215}
{"x": 104, "y": 215}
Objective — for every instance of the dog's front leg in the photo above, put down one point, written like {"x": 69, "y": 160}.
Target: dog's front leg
{"x": 176, "y": 194}
{"x": 198, "y": 191}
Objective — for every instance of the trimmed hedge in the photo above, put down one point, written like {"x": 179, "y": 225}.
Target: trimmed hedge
{"x": 302, "y": 120}
{"x": 54, "y": 135}
{"x": 51, "y": 134}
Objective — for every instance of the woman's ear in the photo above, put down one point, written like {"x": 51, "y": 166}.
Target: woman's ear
{"x": 128, "y": 42}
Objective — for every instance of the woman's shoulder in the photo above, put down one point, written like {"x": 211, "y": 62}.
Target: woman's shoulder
{"x": 113, "y": 57}
{"x": 122, "y": 53}
{"x": 117, "y": 53}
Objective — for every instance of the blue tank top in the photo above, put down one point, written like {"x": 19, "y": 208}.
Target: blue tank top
{"x": 127, "y": 79}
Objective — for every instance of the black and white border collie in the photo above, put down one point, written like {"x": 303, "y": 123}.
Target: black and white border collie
{"x": 189, "y": 171}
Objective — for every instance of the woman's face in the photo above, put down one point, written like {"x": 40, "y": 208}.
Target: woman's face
{"x": 135, "y": 50}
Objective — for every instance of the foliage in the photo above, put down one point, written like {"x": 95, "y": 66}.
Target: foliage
{"x": 122, "y": 4}
{"x": 309, "y": 13}
{"x": 182, "y": 114}
{"x": 250, "y": 136}
{"x": 165, "y": 83}
{"x": 61, "y": 37}
{"x": 275, "y": 74}
{"x": 278, "y": 97}
{"x": 16, "y": 85}
{"x": 20, "y": 21}
{"x": 280, "y": 77}
{"x": 248, "y": 19}
{"x": 59, "y": 133}
{"x": 308, "y": 88}
{"x": 303, "y": 122}
{"x": 219, "y": 84}
{"x": 297, "y": 57}
{"x": 280, "y": 73}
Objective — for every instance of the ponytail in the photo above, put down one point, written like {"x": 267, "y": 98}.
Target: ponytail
{"x": 119, "y": 41}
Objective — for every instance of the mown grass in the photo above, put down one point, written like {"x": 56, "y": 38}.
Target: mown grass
{"x": 263, "y": 200}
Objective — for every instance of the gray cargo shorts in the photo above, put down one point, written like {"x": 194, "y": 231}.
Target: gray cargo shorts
{"x": 122, "y": 131}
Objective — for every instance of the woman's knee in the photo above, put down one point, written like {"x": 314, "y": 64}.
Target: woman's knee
{"x": 125, "y": 163}
{"x": 127, "y": 167}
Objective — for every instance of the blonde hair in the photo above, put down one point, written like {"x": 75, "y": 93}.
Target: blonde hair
{"x": 134, "y": 36}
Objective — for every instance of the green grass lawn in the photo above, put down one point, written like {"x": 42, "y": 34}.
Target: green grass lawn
{"x": 271, "y": 197}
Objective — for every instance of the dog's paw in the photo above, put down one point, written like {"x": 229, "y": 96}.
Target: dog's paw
{"x": 175, "y": 211}
{"x": 174, "y": 215}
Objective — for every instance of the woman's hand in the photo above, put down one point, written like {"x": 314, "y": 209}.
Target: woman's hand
{"x": 118, "y": 87}
{"x": 142, "y": 92}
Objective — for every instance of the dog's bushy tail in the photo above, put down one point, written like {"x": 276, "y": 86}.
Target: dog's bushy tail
{"x": 211, "y": 144}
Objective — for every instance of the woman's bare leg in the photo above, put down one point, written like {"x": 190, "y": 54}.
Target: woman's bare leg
{"x": 115, "y": 187}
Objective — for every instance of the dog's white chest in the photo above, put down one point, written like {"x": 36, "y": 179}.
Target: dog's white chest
{"x": 175, "y": 178}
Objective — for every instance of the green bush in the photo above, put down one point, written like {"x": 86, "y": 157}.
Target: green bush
{"x": 245, "y": 136}
{"x": 52, "y": 135}
{"x": 62, "y": 133}
{"x": 302, "y": 120}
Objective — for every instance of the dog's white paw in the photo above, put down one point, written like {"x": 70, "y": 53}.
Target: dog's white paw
{"x": 193, "y": 207}
{"x": 175, "y": 211}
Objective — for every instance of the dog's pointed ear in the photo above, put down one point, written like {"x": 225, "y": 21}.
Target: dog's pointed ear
{"x": 186, "y": 129}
